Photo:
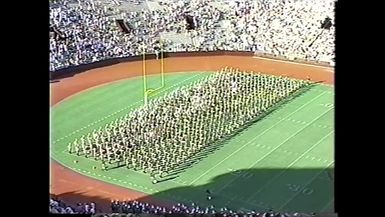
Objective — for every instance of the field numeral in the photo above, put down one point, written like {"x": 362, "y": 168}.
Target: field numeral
{"x": 241, "y": 174}
{"x": 328, "y": 105}
{"x": 296, "y": 188}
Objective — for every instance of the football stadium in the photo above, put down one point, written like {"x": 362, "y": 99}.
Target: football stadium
{"x": 197, "y": 107}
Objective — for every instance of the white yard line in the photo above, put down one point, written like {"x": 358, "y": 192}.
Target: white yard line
{"x": 327, "y": 85}
{"x": 230, "y": 199}
{"x": 120, "y": 110}
{"x": 311, "y": 180}
{"x": 327, "y": 204}
{"x": 295, "y": 153}
{"x": 226, "y": 197}
{"x": 252, "y": 140}
{"x": 282, "y": 172}
{"x": 259, "y": 160}
{"x": 91, "y": 88}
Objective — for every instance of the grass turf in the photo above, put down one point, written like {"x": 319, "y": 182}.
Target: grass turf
{"x": 281, "y": 162}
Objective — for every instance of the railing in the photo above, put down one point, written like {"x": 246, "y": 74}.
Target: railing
{"x": 84, "y": 67}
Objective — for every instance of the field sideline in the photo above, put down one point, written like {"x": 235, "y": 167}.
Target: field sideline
{"x": 280, "y": 162}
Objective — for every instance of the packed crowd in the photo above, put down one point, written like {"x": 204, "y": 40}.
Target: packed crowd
{"x": 57, "y": 206}
{"x": 282, "y": 27}
{"x": 167, "y": 133}
{"x": 138, "y": 207}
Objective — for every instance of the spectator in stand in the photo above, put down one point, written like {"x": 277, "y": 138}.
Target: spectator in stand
{"x": 193, "y": 209}
{"x": 59, "y": 207}
{"x": 285, "y": 28}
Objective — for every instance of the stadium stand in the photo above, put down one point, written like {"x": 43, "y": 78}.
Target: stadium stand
{"x": 285, "y": 28}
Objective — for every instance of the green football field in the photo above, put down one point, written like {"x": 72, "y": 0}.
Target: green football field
{"x": 284, "y": 161}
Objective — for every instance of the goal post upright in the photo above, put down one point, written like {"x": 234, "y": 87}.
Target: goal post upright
{"x": 148, "y": 91}
{"x": 161, "y": 62}
{"x": 144, "y": 75}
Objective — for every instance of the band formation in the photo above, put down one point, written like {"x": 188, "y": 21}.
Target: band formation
{"x": 168, "y": 132}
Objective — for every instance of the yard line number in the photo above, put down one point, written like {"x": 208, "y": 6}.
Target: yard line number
{"x": 328, "y": 105}
{"x": 241, "y": 174}
{"x": 296, "y": 188}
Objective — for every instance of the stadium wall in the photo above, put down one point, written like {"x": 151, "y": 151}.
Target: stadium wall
{"x": 62, "y": 73}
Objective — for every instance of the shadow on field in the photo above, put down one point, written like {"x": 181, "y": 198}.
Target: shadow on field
{"x": 285, "y": 190}
{"x": 282, "y": 190}
{"x": 292, "y": 190}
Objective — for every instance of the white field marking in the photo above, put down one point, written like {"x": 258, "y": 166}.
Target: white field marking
{"x": 252, "y": 140}
{"x": 176, "y": 182}
{"x": 103, "y": 84}
{"x": 260, "y": 204}
{"x": 304, "y": 122}
{"x": 267, "y": 154}
{"x": 327, "y": 204}
{"x": 105, "y": 117}
{"x": 328, "y": 68}
{"x": 305, "y": 185}
{"x": 291, "y": 164}
{"x": 327, "y": 91}
{"x": 323, "y": 178}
